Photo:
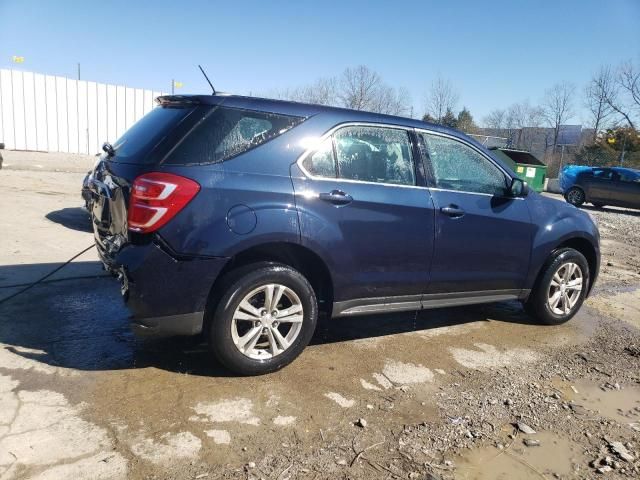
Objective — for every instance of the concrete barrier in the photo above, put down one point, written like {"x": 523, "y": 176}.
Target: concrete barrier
{"x": 552, "y": 185}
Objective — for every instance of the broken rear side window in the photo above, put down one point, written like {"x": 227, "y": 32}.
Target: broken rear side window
{"x": 227, "y": 132}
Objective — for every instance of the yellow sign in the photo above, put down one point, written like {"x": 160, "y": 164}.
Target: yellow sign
{"x": 17, "y": 59}
{"x": 611, "y": 140}
{"x": 178, "y": 84}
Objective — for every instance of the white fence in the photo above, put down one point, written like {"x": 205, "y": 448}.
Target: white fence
{"x": 59, "y": 114}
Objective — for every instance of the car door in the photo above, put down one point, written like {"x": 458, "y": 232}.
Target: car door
{"x": 361, "y": 206}
{"x": 628, "y": 187}
{"x": 599, "y": 186}
{"x": 483, "y": 236}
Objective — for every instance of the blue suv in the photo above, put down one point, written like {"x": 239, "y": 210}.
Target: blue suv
{"x": 243, "y": 219}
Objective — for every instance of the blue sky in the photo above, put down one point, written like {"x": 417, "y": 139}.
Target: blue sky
{"x": 494, "y": 52}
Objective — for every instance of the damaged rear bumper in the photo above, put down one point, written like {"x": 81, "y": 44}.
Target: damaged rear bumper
{"x": 166, "y": 295}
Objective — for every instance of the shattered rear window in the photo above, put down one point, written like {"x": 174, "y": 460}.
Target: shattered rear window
{"x": 227, "y": 132}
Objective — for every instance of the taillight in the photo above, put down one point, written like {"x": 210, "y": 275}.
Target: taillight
{"x": 156, "y": 198}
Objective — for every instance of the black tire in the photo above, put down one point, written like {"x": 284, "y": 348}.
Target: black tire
{"x": 537, "y": 304}
{"x": 575, "y": 196}
{"x": 235, "y": 286}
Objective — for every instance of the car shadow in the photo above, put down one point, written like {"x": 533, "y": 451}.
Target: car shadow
{"x": 82, "y": 324}
{"x": 76, "y": 218}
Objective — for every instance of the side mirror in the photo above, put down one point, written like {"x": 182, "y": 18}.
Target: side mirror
{"x": 518, "y": 188}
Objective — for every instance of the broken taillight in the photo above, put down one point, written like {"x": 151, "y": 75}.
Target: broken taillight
{"x": 156, "y": 198}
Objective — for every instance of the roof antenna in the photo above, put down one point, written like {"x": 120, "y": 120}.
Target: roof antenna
{"x": 208, "y": 81}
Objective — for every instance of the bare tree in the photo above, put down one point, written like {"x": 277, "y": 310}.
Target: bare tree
{"x": 558, "y": 107}
{"x": 441, "y": 97}
{"x": 597, "y": 91}
{"x": 609, "y": 87}
{"x": 521, "y": 115}
{"x": 323, "y": 91}
{"x": 359, "y": 87}
{"x": 392, "y": 101}
{"x": 496, "y": 119}
{"x": 628, "y": 79}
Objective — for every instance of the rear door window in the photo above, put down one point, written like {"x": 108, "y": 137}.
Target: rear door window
{"x": 375, "y": 154}
{"x": 322, "y": 163}
{"x": 603, "y": 174}
{"x": 227, "y": 132}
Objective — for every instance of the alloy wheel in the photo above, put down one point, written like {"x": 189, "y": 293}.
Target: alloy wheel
{"x": 267, "y": 321}
{"x": 565, "y": 288}
{"x": 575, "y": 196}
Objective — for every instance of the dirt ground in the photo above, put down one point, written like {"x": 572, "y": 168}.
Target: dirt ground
{"x": 450, "y": 393}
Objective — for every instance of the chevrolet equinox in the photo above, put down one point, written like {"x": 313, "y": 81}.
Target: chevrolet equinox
{"x": 243, "y": 219}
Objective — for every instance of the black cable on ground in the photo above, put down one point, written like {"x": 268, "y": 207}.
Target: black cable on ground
{"x": 40, "y": 280}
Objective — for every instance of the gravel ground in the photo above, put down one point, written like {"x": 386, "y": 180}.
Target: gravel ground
{"x": 440, "y": 394}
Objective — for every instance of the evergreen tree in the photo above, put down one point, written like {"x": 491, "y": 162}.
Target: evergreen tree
{"x": 465, "y": 121}
{"x": 428, "y": 118}
{"x": 449, "y": 119}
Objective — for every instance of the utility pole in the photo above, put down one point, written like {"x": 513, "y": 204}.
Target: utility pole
{"x": 624, "y": 144}
{"x": 78, "y": 70}
{"x": 173, "y": 84}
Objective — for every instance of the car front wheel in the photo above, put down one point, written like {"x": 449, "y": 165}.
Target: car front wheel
{"x": 561, "y": 288}
{"x": 265, "y": 317}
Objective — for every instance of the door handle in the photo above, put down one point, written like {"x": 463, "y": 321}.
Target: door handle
{"x": 337, "y": 197}
{"x": 452, "y": 211}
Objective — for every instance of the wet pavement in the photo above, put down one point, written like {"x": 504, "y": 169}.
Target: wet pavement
{"x": 81, "y": 397}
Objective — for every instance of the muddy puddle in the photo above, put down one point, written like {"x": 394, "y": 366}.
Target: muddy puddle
{"x": 554, "y": 456}
{"x": 623, "y": 304}
{"x": 620, "y": 403}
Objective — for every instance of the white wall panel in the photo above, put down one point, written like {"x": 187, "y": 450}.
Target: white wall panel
{"x": 20, "y": 133}
{"x": 103, "y": 114}
{"x": 63, "y": 114}
{"x": 112, "y": 111}
{"x": 83, "y": 146}
{"x": 28, "y": 96}
{"x": 139, "y": 103}
{"x": 72, "y": 115}
{"x": 6, "y": 109}
{"x": 130, "y": 116}
{"x": 148, "y": 101}
{"x": 58, "y": 114}
{"x": 92, "y": 117}
{"x": 121, "y": 111}
{"x": 40, "y": 112}
{"x": 51, "y": 113}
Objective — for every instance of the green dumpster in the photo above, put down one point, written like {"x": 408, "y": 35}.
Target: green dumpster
{"x": 525, "y": 164}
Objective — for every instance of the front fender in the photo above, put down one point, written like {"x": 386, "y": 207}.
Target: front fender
{"x": 559, "y": 223}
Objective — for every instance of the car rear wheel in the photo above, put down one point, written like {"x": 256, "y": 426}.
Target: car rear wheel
{"x": 575, "y": 196}
{"x": 561, "y": 288}
{"x": 264, "y": 319}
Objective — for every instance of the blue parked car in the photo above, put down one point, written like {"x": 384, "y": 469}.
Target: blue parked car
{"x": 600, "y": 186}
{"x": 243, "y": 219}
